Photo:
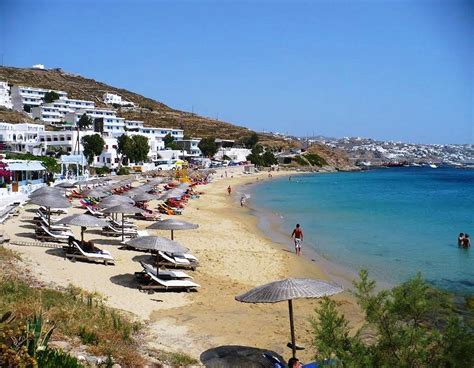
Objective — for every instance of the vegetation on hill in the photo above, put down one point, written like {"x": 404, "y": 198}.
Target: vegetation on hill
{"x": 152, "y": 112}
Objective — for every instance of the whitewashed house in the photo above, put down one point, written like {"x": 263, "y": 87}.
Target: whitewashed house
{"x": 5, "y": 99}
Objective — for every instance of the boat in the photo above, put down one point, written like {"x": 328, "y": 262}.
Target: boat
{"x": 433, "y": 166}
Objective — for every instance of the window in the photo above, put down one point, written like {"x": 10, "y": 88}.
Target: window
{"x": 106, "y": 146}
{"x": 114, "y": 146}
{"x": 98, "y": 159}
{"x": 68, "y": 137}
{"x": 108, "y": 160}
{"x": 116, "y": 160}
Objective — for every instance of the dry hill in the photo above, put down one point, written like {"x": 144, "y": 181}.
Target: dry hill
{"x": 154, "y": 113}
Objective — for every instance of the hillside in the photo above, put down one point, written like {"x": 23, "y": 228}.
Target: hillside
{"x": 154, "y": 113}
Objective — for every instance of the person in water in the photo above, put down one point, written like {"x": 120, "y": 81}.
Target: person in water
{"x": 297, "y": 234}
{"x": 460, "y": 239}
{"x": 466, "y": 241}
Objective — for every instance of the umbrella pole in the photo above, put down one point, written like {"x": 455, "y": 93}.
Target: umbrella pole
{"x": 49, "y": 218}
{"x": 292, "y": 328}
{"x": 172, "y": 235}
{"x": 82, "y": 234}
{"x": 123, "y": 223}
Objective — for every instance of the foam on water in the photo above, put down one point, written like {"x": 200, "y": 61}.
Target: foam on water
{"x": 394, "y": 222}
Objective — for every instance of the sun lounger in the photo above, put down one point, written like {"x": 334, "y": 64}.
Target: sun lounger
{"x": 168, "y": 260}
{"x": 41, "y": 220}
{"x": 118, "y": 224}
{"x": 152, "y": 282}
{"x": 94, "y": 212}
{"x": 111, "y": 230}
{"x": 43, "y": 233}
{"x": 77, "y": 252}
{"x": 165, "y": 274}
{"x": 190, "y": 257}
{"x": 59, "y": 211}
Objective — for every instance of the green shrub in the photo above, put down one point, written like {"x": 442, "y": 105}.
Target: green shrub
{"x": 123, "y": 171}
{"x": 315, "y": 159}
{"x": 88, "y": 337}
{"x": 102, "y": 170}
{"x": 300, "y": 161}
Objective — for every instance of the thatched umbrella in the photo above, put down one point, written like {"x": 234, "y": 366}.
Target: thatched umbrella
{"x": 45, "y": 190}
{"x": 114, "y": 200}
{"x": 157, "y": 244}
{"x": 289, "y": 289}
{"x": 172, "y": 224}
{"x": 173, "y": 193}
{"x": 95, "y": 193}
{"x": 84, "y": 221}
{"x": 123, "y": 208}
{"x": 50, "y": 200}
{"x": 143, "y": 197}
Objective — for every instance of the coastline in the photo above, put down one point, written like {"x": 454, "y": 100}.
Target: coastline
{"x": 271, "y": 225}
{"x": 235, "y": 256}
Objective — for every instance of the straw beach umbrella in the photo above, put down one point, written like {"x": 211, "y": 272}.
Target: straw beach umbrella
{"x": 124, "y": 209}
{"x": 289, "y": 289}
{"x": 45, "y": 190}
{"x": 172, "y": 224}
{"x": 157, "y": 244}
{"x": 84, "y": 221}
{"x": 114, "y": 200}
{"x": 50, "y": 200}
{"x": 95, "y": 193}
{"x": 143, "y": 197}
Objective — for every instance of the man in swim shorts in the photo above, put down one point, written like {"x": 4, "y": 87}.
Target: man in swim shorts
{"x": 297, "y": 234}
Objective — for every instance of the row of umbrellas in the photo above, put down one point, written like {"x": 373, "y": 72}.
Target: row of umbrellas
{"x": 274, "y": 292}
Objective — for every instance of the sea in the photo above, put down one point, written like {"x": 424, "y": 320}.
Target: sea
{"x": 394, "y": 222}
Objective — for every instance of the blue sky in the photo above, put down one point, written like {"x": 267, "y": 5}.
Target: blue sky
{"x": 400, "y": 70}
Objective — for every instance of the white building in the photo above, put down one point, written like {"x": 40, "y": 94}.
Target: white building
{"x": 113, "y": 125}
{"x": 30, "y": 96}
{"x": 114, "y": 99}
{"x": 67, "y": 140}
{"x": 235, "y": 154}
{"x": 20, "y": 137}
{"x": 190, "y": 147}
{"x": 75, "y": 104}
{"x": 5, "y": 99}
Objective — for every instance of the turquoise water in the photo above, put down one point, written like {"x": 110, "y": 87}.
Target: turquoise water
{"x": 394, "y": 222}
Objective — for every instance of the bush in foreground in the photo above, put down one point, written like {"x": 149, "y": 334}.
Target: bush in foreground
{"x": 412, "y": 326}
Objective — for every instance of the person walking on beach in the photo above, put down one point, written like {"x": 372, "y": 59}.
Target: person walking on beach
{"x": 229, "y": 189}
{"x": 242, "y": 201}
{"x": 297, "y": 234}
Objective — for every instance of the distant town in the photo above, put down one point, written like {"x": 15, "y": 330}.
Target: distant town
{"x": 366, "y": 152}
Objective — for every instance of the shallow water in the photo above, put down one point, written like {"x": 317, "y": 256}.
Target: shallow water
{"x": 394, "y": 222}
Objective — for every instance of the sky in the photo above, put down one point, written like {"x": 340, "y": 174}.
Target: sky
{"x": 391, "y": 70}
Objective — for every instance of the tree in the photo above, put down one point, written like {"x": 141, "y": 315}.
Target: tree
{"x": 169, "y": 142}
{"x": 255, "y": 156}
{"x": 124, "y": 146}
{"x": 269, "y": 158}
{"x": 84, "y": 122}
{"x": 208, "y": 146}
{"x": 251, "y": 141}
{"x": 412, "y": 325}
{"x": 139, "y": 148}
{"x": 93, "y": 146}
{"x": 50, "y": 97}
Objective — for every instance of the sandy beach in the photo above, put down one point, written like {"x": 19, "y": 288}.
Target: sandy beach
{"x": 234, "y": 257}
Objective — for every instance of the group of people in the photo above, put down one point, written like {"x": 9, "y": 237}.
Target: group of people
{"x": 464, "y": 241}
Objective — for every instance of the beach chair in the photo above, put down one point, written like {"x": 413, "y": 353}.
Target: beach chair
{"x": 169, "y": 260}
{"x": 190, "y": 257}
{"x": 58, "y": 211}
{"x": 118, "y": 224}
{"x": 111, "y": 230}
{"x": 41, "y": 220}
{"x": 94, "y": 212}
{"x": 76, "y": 252}
{"x": 45, "y": 234}
{"x": 151, "y": 282}
{"x": 165, "y": 274}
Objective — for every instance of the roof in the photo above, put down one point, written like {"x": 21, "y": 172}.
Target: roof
{"x": 23, "y": 165}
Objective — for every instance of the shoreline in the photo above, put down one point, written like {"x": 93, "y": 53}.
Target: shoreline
{"x": 271, "y": 225}
{"x": 235, "y": 256}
